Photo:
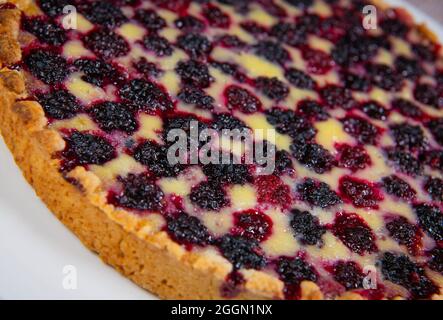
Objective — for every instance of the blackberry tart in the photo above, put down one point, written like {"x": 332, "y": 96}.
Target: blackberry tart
{"x": 353, "y": 209}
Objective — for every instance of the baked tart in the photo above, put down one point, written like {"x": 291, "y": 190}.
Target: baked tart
{"x": 90, "y": 90}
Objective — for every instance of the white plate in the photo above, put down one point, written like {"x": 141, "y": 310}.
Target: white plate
{"x": 35, "y": 247}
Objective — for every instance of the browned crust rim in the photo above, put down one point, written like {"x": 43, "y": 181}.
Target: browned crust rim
{"x": 148, "y": 257}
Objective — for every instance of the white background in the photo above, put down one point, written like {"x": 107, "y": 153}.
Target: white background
{"x": 35, "y": 246}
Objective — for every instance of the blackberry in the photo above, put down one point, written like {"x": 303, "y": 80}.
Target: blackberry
{"x": 356, "y": 82}
{"x": 395, "y": 27}
{"x": 436, "y": 128}
{"x": 273, "y": 9}
{"x": 398, "y": 187}
{"x": 399, "y": 269}
{"x": 229, "y": 69}
{"x": 255, "y": 29}
{"x": 45, "y": 31}
{"x": 155, "y": 157}
{"x": 195, "y": 45}
{"x": 425, "y": 52}
{"x": 433, "y": 158}
{"x": 241, "y": 252}
{"x": 337, "y": 97}
{"x": 408, "y": 68}
{"x": 241, "y": 99}
{"x": 360, "y": 129}
{"x": 404, "y": 232}
{"x": 98, "y": 72}
{"x": 272, "y": 88}
{"x": 188, "y": 230}
{"x": 272, "y": 51}
{"x": 112, "y": 116}
{"x": 225, "y": 121}
{"x": 439, "y": 79}
{"x": 295, "y": 270}
{"x": 309, "y": 22}
{"x": 47, "y": 66}
{"x": 225, "y": 67}
{"x": 182, "y": 123}
{"x": 434, "y": 187}
{"x": 436, "y": 260}
{"x": 150, "y": 19}
{"x": 312, "y": 110}
{"x": 302, "y": 4}
{"x": 362, "y": 194}
{"x": 272, "y": 190}
{"x": 354, "y": 233}
{"x": 318, "y": 62}
{"x": 231, "y": 41}
{"x": 352, "y": 157}
{"x": 348, "y": 274}
{"x": 352, "y": 49}
{"x": 215, "y": 17}
{"x": 404, "y": 161}
{"x": 194, "y": 73}
{"x": 196, "y": 96}
{"x": 185, "y": 123}
{"x": 106, "y": 43}
{"x": 318, "y": 193}
{"x": 289, "y": 33}
{"x": 209, "y": 196}
{"x": 384, "y": 77}
{"x": 334, "y": 29}
{"x": 307, "y": 228}
{"x": 139, "y": 193}
{"x": 408, "y": 136}
{"x": 227, "y": 173}
{"x": 239, "y": 5}
{"x": 146, "y": 95}
{"x": 407, "y": 108}
{"x": 84, "y": 148}
{"x": 60, "y": 104}
{"x": 189, "y": 24}
{"x": 331, "y": 1}
{"x": 146, "y": 68}
{"x": 105, "y": 14}
{"x": 313, "y": 156}
{"x": 283, "y": 162}
{"x": 431, "y": 220}
{"x": 158, "y": 44}
{"x": 300, "y": 79}
{"x": 427, "y": 94}
{"x": 54, "y": 8}
{"x": 374, "y": 110}
{"x": 288, "y": 122}
{"x": 252, "y": 224}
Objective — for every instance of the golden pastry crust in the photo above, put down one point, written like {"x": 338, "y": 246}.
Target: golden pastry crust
{"x": 9, "y": 26}
{"x": 136, "y": 249}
